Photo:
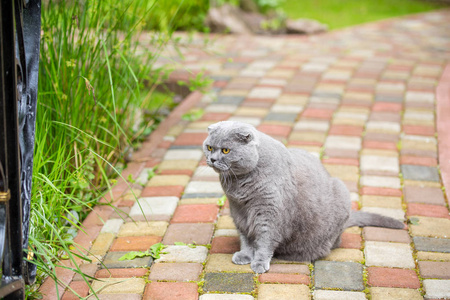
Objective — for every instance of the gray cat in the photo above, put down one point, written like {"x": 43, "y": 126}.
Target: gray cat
{"x": 283, "y": 201}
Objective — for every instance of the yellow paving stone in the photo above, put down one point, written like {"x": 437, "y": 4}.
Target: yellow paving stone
{"x": 419, "y": 145}
{"x": 175, "y": 130}
{"x": 178, "y": 165}
{"x": 132, "y": 195}
{"x": 336, "y": 88}
{"x": 226, "y": 72}
{"x": 352, "y": 122}
{"x": 353, "y": 229}
{"x": 341, "y": 254}
{"x": 251, "y": 111}
{"x": 359, "y": 96}
{"x": 418, "y": 122}
{"x": 223, "y": 263}
{"x": 199, "y": 201}
{"x": 310, "y": 149}
{"x": 379, "y": 152}
{"x": 359, "y": 110}
{"x": 283, "y": 291}
{"x": 408, "y": 182}
{"x": 435, "y": 256}
{"x": 381, "y": 201}
{"x": 143, "y": 228}
{"x": 225, "y": 222}
{"x": 431, "y": 227}
{"x": 102, "y": 243}
{"x": 229, "y": 92}
{"x": 163, "y": 180}
{"x": 348, "y": 173}
{"x": 308, "y": 136}
{"x": 280, "y": 73}
{"x": 292, "y": 100}
{"x": 200, "y": 125}
{"x": 381, "y": 293}
{"x": 119, "y": 286}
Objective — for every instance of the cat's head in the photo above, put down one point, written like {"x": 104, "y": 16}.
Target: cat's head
{"x": 231, "y": 148}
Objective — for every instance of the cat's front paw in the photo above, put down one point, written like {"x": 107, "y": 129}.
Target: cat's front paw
{"x": 260, "y": 266}
{"x": 241, "y": 258}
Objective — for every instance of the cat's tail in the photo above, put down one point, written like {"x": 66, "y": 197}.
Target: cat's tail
{"x": 361, "y": 218}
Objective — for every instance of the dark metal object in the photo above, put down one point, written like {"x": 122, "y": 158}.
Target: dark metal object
{"x": 20, "y": 24}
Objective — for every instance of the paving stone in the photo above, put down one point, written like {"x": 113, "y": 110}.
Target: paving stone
{"x": 154, "y": 206}
{"x": 380, "y": 181}
{"x": 175, "y": 271}
{"x": 250, "y": 120}
{"x": 265, "y": 92}
{"x": 434, "y": 269}
{"x": 341, "y": 254}
{"x": 388, "y": 277}
{"x": 383, "y": 127}
{"x": 198, "y": 187}
{"x": 343, "y": 142}
{"x": 121, "y": 273}
{"x": 79, "y": 287}
{"x": 350, "y": 173}
{"x": 223, "y": 263}
{"x": 381, "y": 201}
{"x": 228, "y": 245}
{"x": 312, "y": 125}
{"x": 379, "y": 163}
{"x": 229, "y": 282}
{"x": 426, "y": 210}
{"x": 166, "y": 180}
{"x": 384, "y": 254}
{"x": 225, "y": 222}
{"x": 398, "y": 214}
{"x": 205, "y": 171}
{"x": 436, "y": 289}
{"x": 88, "y": 269}
{"x": 386, "y": 235}
{"x": 341, "y": 275}
{"x": 282, "y": 117}
{"x": 102, "y": 243}
{"x": 189, "y": 233}
{"x": 183, "y": 254}
{"x": 184, "y": 154}
{"x": 350, "y": 241}
{"x": 226, "y": 232}
{"x": 275, "y": 130}
{"x": 378, "y": 191}
{"x": 195, "y": 213}
{"x": 429, "y": 195}
{"x": 433, "y": 256}
{"x": 178, "y": 165}
{"x": 134, "y": 243}
{"x": 112, "y": 226}
{"x": 230, "y": 99}
{"x": 221, "y": 108}
{"x": 382, "y": 293}
{"x": 284, "y": 278}
{"x": 308, "y": 136}
{"x": 318, "y": 113}
{"x": 155, "y": 228}
{"x": 431, "y": 244}
{"x": 420, "y": 173}
{"x": 289, "y": 269}
{"x": 285, "y": 108}
{"x": 431, "y": 227}
{"x": 225, "y": 297}
{"x": 171, "y": 291}
{"x": 289, "y": 291}
{"x": 119, "y": 286}
{"x": 338, "y": 295}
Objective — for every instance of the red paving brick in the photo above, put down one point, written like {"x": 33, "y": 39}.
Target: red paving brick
{"x": 195, "y": 213}
{"x": 420, "y": 161}
{"x": 386, "y": 235}
{"x": 225, "y": 244}
{"x": 280, "y": 130}
{"x": 190, "y": 139}
{"x": 284, "y": 278}
{"x": 350, "y": 241}
{"x": 134, "y": 243}
{"x": 395, "y": 278}
{"x": 317, "y": 113}
{"x": 162, "y": 191}
{"x": 419, "y": 130}
{"x": 379, "y": 145}
{"x": 79, "y": 287}
{"x": 346, "y": 130}
{"x": 215, "y": 117}
{"x": 341, "y": 161}
{"x": 427, "y": 210}
{"x": 434, "y": 269}
{"x": 377, "y": 191}
{"x": 171, "y": 291}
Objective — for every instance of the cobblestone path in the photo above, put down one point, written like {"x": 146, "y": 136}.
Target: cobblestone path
{"x": 373, "y": 101}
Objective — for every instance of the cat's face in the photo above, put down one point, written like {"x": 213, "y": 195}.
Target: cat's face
{"x": 231, "y": 148}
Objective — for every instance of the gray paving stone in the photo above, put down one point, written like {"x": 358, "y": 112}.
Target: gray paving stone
{"x": 229, "y": 282}
{"x": 380, "y": 181}
{"x": 112, "y": 226}
{"x": 429, "y": 195}
{"x": 379, "y": 163}
{"x": 183, "y": 154}
{"x": 383, "y": 254}
{"x": 340, "y": 275}
{"x": 221, "y": 108}
{"x": 230, "y": 100}
{"x": 423, "y": 173}
{"x": 312, "y": 125}
{"x": 265, "y": 92}
{"x": 250, "y": 120}
{"x": 201, "y": 195}
{"x": 431, "y": 244}
{"x": 343, "y": 142}
{"x": 437, "y": 289}
{"x": 112, "y": 261}
{"x": 387, "y": 98}
{"x": 154, "y": 206}
{"x": 197, "y": 187}
{"x": 338, "y": 295}
{"x": 283, "y": 117}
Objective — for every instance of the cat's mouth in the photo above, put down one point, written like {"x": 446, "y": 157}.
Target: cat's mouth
{"x": 218, "y": 166}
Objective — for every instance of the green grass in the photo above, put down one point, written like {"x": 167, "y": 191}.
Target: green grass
{"x": 339, "y": 14}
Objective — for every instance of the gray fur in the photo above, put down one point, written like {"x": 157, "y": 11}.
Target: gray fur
{"x": 283, "y": 201}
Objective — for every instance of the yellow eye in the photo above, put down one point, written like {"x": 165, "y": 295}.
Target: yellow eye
{"x": 225, "y": 150}
{"x": 209, "y": 148}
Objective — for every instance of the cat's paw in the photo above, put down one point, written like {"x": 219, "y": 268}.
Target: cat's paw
{"x": 260, "y": 266}
{"x": 241, "y": 258}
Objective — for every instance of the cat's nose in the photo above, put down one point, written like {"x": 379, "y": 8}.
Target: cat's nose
{"x": 213, "y": 160}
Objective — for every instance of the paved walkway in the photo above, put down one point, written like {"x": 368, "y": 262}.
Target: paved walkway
{"x": 363, "y": 99}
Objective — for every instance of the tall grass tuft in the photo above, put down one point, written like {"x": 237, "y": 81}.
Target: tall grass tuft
{"x": 94, "y": 80}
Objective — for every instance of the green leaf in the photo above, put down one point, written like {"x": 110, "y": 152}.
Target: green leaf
{"x": 414, "y": 221}
{"x": 221, "y": 200}
{"x": 134, "y": 254}
{"x": 180, "y": 244}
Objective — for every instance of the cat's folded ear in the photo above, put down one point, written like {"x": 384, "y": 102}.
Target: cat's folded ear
{"x": 213, "y": 127}
{"x": 244, "y": 136}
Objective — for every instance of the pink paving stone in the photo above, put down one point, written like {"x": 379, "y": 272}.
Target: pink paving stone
{"x": 289, "y": 269}
{"x": 279, "y": 130}
{"x": 434, "y": 269}
{"x": 225, "y": 244}
{"x": 85, "y": 237}
{"x": 419, "y": 130}
{"x": 121, "y": 273}
{"x": 188, "y": 233}
{"x": 341, "y": 161}
{"x": 386, "y": 235}
{"x": 171, "y": 291}
{"x": 426, "y": 210}
{"x": 367, "y": 190}
{"x": 125, "y": 203}
{"x": 379, "y": 145}
{"x": 346, "y": 130}
{"x": 340, "y": 153}
{"x": 215, "y": 117}
{"x": 355, "y": 205}
{"x": 163, "y": 191}
{"x": 220, "y": 84}
{"x": 98, "y": 215}
{"x": 190, "y": 139}
{"x": 417, "y": 160}
{"x": 304, "y": 143}
{"x": 175, "y": 271}
{"x": 86, "y": 269}
{"x": 134, "y": 243}
{"x": 350, "y": 241}
{"x": 176, "y": 172}
{"x": 284, "y": 278}
{"x": 318, "y": 113}
{"x": 152, "y": 162}
{"x": 387, "y": 277}
{"x": 427, "y": 195}
{"x": 196, "y": 213}
{"x": 80, "y": 287}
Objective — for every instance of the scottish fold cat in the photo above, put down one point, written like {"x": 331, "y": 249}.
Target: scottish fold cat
{"x": 283, "y": 201}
